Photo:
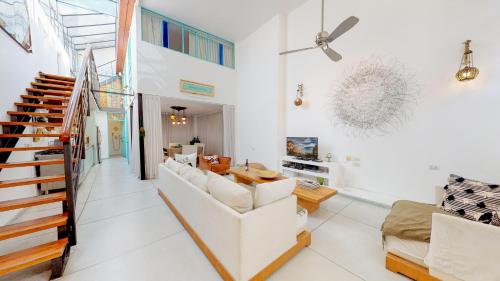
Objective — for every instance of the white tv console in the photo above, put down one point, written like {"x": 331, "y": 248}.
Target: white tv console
{"x": 326, "y": 170}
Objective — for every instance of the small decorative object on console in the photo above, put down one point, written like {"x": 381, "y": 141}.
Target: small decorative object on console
{"x": 329, "y": 157}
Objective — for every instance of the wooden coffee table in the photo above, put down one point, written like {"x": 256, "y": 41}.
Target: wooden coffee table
{"x": 307, "y": 198}
{"x": 250, "y": 176}
{"x": 311, "y": 198}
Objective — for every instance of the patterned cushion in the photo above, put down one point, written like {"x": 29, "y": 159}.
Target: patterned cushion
{"x": 473, "y": 200}
{"x": 214, "y": 159}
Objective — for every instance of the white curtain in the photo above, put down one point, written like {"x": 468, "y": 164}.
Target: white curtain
{"x": 176, "y": 133}
{"x": 153, "y": 143}
{"x": 210, "y": 130}
{"x": 228, "y": 125}
{"x": 228, "y": 56}
{"x": 192, "y": 44}
{"x": 135, "y": 159}
{"x": 152, "y": 29}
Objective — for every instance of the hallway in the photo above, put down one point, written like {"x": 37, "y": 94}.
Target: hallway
{"x": 125, "y": 232}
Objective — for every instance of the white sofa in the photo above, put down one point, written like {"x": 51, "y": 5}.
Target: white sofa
{"x": 460, "y": 250}
{"x": 244, "y": 243}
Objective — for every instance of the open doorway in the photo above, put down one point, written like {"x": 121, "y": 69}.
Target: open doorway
{"x": 192, "y": 127}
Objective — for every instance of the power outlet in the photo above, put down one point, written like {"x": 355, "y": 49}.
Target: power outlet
{"x": 434, "y": 167}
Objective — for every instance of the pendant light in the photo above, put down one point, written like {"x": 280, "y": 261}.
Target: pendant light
{"x": 175, "y": 116}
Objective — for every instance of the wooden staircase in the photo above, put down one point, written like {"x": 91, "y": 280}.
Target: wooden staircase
{"x": 43, "y": 106}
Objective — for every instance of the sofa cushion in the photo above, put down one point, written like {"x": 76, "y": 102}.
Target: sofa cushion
{"x": 270, "y": 192}
{"x": 473, "y": 200}
{"x": 199, "y": 179}
{"x": 229, "y": 193}
{"x": 184, "y": 170}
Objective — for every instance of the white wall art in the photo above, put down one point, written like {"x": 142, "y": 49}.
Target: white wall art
{"x": 373, "y": 98}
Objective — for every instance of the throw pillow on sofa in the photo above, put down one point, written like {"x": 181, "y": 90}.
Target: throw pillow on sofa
{"x": 473, "y": 200}
{"x": 214, "y": 159}
{"x": 173, "y": 165}
{"x": 229, "y": 193}
{"x": 267, "y": 193}
{"x": 188, "y": 159}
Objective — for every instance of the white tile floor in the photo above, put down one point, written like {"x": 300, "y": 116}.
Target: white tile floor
{"x": 125, "y": 232}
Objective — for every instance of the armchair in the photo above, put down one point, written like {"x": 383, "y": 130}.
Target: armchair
{"x": 221, "y": 168}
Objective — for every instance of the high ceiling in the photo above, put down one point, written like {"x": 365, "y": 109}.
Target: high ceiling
{"x": 230, "y": 19}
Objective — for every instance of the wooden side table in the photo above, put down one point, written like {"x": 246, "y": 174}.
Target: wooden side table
{"x": 311, "y": 198}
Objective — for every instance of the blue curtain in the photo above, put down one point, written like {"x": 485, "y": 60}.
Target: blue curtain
{"x": 221, "y": 54}
{"x": 165, "y": 34}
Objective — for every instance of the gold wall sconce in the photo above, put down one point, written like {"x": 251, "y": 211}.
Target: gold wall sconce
{"x": 466, "y": 70}
{"x": 300, "y": 94}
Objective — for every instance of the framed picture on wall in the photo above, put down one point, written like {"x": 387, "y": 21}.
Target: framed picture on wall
{"x": 14, "y": 20}
{"x": 195, "y": 88}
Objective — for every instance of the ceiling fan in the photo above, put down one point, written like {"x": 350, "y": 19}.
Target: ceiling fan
{"x": 323, "y": 38}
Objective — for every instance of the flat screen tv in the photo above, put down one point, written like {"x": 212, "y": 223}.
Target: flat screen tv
{"x": 302, "y": 147}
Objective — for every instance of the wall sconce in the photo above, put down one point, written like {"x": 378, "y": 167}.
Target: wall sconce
{"x": 466, "y": 70}
{"x": 300, "y": 94}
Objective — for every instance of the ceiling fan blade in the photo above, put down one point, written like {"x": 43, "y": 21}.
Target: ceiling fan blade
{"x": 334, "y": 56}
{"x": 298, "y": 50}
{"x": 345, "y": 26}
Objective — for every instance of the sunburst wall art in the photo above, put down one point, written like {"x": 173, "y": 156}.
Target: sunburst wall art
{"x": 373, "y": 98}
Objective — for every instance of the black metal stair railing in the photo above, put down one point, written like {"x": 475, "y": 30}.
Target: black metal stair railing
{"x": 73, "y": 134}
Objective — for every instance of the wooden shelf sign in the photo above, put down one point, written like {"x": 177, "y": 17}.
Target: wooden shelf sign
{"x": 195, "y": 88}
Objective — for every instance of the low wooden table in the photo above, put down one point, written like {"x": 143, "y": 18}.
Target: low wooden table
{"x": 307, "y": 198}
{"x": 311, "y": 198}
{"x": 250, "y": 176}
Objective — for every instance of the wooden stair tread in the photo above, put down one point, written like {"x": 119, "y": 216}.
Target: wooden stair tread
{"x": 58, "y": 77}
{"x": 50, "y": 92}
{"x": 55, "y": 81}
{"x": 52, "y": 86}
{"x": 30, "y": 148}
{"x": 30, "y": 135}
{"x": 32, "y": 256}
{"x": 34, "y": 124}
{"x": 31, "y": 163}
{"x": 38, "y": 114}
{"x": 41, "y": 105}
{"x": 32, "y": 201}
{"x": 27, "y": 227}
{"x": 42, "y": 98}
{"x": 28, "y": 181}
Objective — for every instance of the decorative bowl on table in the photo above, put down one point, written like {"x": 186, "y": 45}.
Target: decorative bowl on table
{"x": 267, "y": 174}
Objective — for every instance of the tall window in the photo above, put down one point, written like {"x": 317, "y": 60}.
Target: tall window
{"x": 162, "y": 31}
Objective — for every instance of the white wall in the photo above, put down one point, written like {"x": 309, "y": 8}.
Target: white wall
{"x": 259, "y": 110}
{"x": 160, "y": 70}
{"x": 455, "y": 125}
{"x": 17, "y": 69}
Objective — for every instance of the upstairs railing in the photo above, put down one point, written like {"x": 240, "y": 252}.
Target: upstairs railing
{"x": 73, "y": 133}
